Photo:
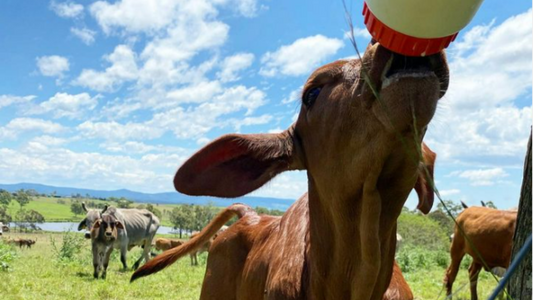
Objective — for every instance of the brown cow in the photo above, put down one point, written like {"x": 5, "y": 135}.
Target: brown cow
{"x": 491, "y": 233}
{"x": 26, "y": 242}
{"x": 360, "y": 153}
{"x": 165, "y": 244}
{"x": 20, "y": 242}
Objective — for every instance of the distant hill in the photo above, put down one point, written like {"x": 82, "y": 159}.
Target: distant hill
{"x": 162, "y": 198}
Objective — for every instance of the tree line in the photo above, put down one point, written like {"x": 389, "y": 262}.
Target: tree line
{"x": 23, "y": 218}
{"x": 189, "y": 217}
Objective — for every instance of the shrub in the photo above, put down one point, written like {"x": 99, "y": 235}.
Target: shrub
{"x": 70, "y": 247}
{"x": 420, "y": 231}
{"x": 7, "y": 255}
{"x": 412, "y": 258}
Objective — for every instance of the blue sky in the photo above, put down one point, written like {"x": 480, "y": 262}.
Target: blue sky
{"x": 110, "y": 95}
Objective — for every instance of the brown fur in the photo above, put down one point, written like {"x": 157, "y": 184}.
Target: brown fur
{"x": 398, "y": 288}
{"x": 491, "y": 233}
{"x": 203, "y": 248}
{"x": 338, "y": 240}
{"x": 165, "y": 244}
{"x": 21, "y": 242}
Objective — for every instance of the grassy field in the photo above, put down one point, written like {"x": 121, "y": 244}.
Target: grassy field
{"x": 58, "y": 209}
{"x": 37, "y": 274}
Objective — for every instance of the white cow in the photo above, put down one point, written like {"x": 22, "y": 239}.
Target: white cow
{"x": 140, "y": 227}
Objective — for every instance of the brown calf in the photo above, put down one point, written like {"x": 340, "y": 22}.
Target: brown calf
{"x": 103, "y": 235}
{"x": 491, "y": 233}
{"x": 165, "y": 244}
{"x": 360, "y": 154}
{"x": 398, "y": 288}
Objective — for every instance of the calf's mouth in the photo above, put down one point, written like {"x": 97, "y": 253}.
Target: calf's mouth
{"x": 400, "y": 66}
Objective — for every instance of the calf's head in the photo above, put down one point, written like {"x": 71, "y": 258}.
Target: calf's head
{"x": 360, "y": 127}
{"x": 106, "y": 228}
{"x": 91, "y": 216}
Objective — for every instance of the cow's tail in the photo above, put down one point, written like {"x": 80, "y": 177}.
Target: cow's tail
{"x": 170, "y": 256}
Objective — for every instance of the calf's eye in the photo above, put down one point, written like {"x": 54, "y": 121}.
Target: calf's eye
{"x": 310, "y": 96}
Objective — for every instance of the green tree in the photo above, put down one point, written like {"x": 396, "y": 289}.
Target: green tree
{"x": 76, "y": 208}
{"x": 124, "y": 203}
{"x": 154, "y": 210}
{"x": 180, "y": 218}
{"x": 202, "y": 215}
{"x": 454, "y": 208}
{"x": 5, "y": 198}
{"x": 490, "y": 204}
{"x": 443, "y": 219}
{"x": 22, "y": 198}
{"x": 4, "y": 216}
{"x": 419, "y": 230}
{"x": 262, "y": 210}
{"x": 33, "y": 216}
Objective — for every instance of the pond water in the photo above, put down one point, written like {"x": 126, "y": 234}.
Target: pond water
{"x": 66, "y": 226}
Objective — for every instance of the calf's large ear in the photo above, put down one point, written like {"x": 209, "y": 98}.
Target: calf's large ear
{"x": 119, "y": 225}
{"x": 235, "y": 165}
{"x": 97, "y": 223}
{"x": 424, "y": 185}
{"x": 83, "y": 224}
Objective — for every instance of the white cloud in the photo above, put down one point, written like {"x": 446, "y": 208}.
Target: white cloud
{"x": 358, "y": 32}
{"x": 128, "y": 147}
{"x": 249, "y": 121}
{"x": 53, "y": 66}
{"x": 482, "y": 177}
{"x": 123, "y": 68}
{"x": 300, "y": 57}
{"x": 134, "y": 16}
{"x": 288, "y": 185}
{"x": 67, "y": 9}
{"x": 18, "y": 126}
{"x": 294, "y": 96}
{"x": 114, "y": 131}
{"x": 230, "y": 66}
{"x": 275, "y": 130}
{"x": 66, "y": 105}
{"x": 192, "y": 123}
{"x": 486, "y": 113}
{"x": 49, "y": 140}
{"x": 449, "y": 192}
{"x": 84, "y": 34}
{"x": 37, "y": 162}
{"x": 8, "y": 100}
{"x": 195, "y": 123}
{"x": 197, "y": 93}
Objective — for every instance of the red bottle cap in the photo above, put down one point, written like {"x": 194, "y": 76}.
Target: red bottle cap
{"x": 402, "y": 43}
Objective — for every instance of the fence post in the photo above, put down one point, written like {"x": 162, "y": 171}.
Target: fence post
{"x": 520, "y": 283}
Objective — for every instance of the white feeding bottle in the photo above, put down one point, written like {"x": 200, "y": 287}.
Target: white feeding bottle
{"x": 417, "y": 27}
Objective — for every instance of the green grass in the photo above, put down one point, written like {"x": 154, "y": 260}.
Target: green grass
{"x": 36, "y": 274}
{"x": 54, "y": 211}
{"x": 427, "y": 284}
